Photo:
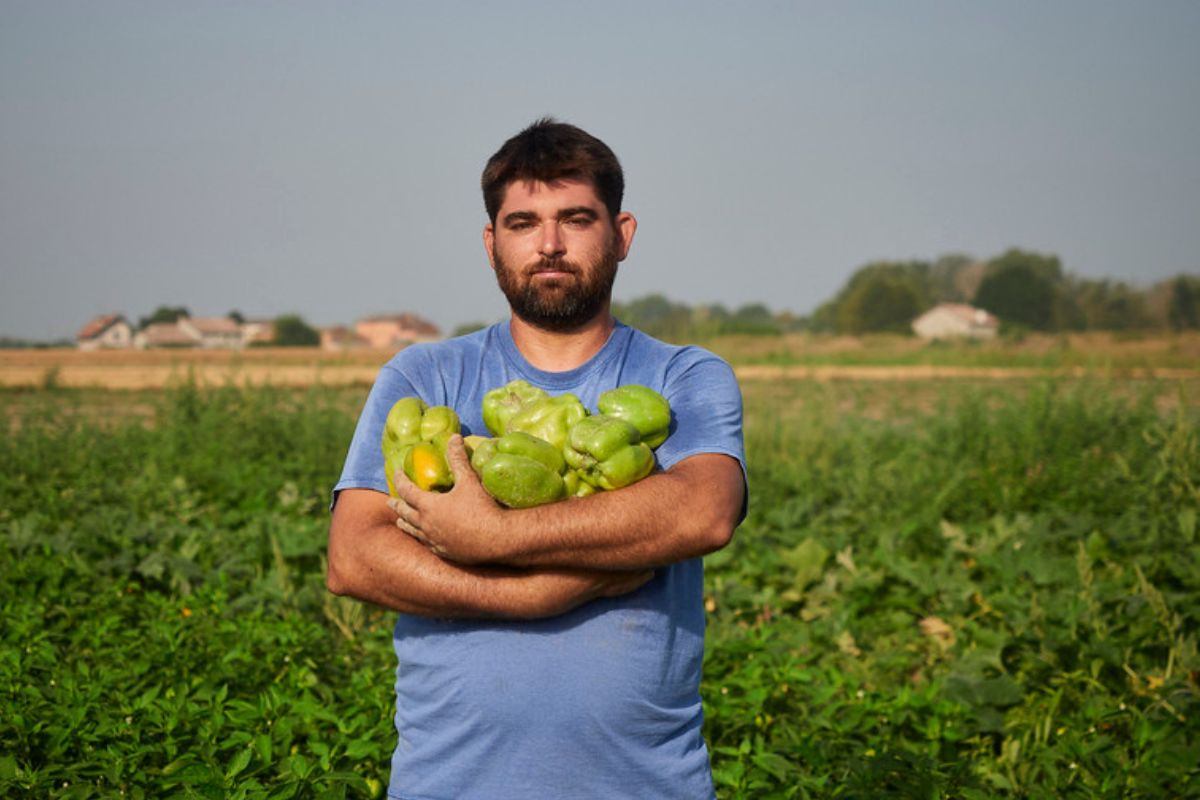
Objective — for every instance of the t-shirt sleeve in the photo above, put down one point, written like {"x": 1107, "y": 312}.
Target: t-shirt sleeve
{"x": 706, "y": 412}
{"x": 706, "y": 415}
{"x": 364, "y": 461}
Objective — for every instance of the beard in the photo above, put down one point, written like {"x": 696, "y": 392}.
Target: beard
{"x": 560, "y": 304}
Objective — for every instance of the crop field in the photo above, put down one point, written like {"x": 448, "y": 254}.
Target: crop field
{"x": 967, "y": 588}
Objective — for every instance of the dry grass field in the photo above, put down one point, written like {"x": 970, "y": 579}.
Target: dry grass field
{"x": 794, "y": 356}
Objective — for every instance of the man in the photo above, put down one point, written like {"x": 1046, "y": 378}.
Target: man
{"x": 550, "y": 652}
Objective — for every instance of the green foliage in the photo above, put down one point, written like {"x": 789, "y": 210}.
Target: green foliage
{"x": 882, "y": 298}
{"x": 992, "y": 598}
{"x": 468, "y": 327}
{"x": 163, "y": 314}
{"x": 292, "y": 331}
{"x": 1183, "y": 311}
{"x": 1020, "y": 288}
{"x": 677, "y": 322}
{"x": 992, "y": 595}
{"x": 166, "y": 629}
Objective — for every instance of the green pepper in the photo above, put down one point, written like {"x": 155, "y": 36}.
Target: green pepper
{"x": 520, "y": 470}
{"x": 576, "y": 485}
{"x": 411, "y": 421}
{"x": 642, "y": 407}
{"x": 549, "y": 418}
{"x": 500, "y": 404}
{"x": 607, "y": 452}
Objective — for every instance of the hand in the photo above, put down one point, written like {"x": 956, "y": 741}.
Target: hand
{"x": 464, "y": 525}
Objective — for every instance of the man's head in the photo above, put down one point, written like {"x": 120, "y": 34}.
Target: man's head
{"x": 553, "y": 195}
{"x": 548, "y": 151}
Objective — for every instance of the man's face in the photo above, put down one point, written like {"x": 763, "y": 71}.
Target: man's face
{"x": 555, "y": 251}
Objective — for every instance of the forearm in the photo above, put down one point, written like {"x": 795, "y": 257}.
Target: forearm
{"x": 372, "y": 560}
{"x": 662, "y": 519}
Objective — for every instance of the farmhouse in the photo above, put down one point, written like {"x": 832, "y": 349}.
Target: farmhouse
{"x": 390, "y": 331}
{"x": 339, "y": 337}
{"x": 258, "y": 332}
{"x": 954, "y": 321}
{"x": 106, "y": 330}
{"x": 212, "y": 332}
{"x": 162, "y": 334}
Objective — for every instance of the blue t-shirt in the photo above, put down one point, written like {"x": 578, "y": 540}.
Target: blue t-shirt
{"x": 600, "y": 702}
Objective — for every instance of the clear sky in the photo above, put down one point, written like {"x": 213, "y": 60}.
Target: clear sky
{"x": 324, "y": 158}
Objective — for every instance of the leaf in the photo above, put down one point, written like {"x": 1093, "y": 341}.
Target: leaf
{"x": 239, "y": 763}
{"x": 773, "y": 764}
{"x": 806, "y": 561}
{"x": 262, "y": 745}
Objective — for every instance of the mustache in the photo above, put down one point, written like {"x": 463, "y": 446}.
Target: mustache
{"x": 554, "y": 265}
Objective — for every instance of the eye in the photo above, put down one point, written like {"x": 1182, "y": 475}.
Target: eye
{"x": 579, "y": 222}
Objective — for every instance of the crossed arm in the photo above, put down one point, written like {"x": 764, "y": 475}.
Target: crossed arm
{"x": 459, "y": 554}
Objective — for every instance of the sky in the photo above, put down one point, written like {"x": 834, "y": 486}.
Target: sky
{"x": 323, "y": 158}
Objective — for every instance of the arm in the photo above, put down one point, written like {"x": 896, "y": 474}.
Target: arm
{"x": 371, "y": 560}
{"x": 687, "y": 511}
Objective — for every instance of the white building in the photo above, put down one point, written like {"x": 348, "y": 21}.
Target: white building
{"x": 105, "y": 331}
{"x": 956, "y": 321}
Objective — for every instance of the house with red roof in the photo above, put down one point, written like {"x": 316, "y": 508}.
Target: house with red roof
{"x": 105, "y": 331}
{"x": 393, "y": 331}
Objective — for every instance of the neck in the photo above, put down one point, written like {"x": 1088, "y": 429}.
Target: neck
{"x": 559, "y": 351}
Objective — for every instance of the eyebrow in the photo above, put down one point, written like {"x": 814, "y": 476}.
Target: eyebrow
{"x": 566, "y": 213}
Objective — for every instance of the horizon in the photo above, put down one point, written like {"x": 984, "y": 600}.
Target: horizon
{"x": 324, "y": 161}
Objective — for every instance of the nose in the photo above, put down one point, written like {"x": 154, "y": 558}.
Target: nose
{"x": 551, "y": 243}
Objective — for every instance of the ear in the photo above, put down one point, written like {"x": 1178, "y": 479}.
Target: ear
{"x": 626, "y": 226}
{"x": 489, "y": 243}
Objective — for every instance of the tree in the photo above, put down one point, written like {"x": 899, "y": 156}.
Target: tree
{"x": 164, "y": 314}
{"x": 1021, "y": 287}
{"x": 292, "y": 331}
{"x": 880, "y": 296}
{"x": 468, "y": 327}
{"x": 753, "y": 318}
{"x": 236, "y": 316}
{"x": 1109, "y": 306}
{"x": 657, "y": 316}
{"x": 1183, "y": 310}
{"x": 882, "y": 301}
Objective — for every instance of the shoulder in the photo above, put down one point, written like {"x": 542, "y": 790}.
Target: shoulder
{"x": 424, "y": 358}
{"x": 678, "y": 362}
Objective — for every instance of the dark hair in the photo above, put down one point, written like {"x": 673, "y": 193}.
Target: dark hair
{"x": 549, "y": 150}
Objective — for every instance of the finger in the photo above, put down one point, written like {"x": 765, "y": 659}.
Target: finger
{"x": 456, "y": 454}
{"x": 408, "y": 491}
{"x": 405, "y": 512}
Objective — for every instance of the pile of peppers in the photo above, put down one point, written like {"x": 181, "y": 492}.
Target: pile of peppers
{"x": 543, "y": 448}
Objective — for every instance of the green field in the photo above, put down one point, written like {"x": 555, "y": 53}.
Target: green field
{"x": 974, "y": 589}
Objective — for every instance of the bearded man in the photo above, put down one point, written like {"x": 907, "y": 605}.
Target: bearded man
{"x": 548, "y": 652}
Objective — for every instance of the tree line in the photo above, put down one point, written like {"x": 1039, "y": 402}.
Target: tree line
{"x": 1025, "y": 290}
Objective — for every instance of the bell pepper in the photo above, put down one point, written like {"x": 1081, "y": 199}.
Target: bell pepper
{"x": 425, "y": 465}
{"x": 409, "y": 422}
{"x": 520, "y": 470}
{"x": 500, "y": 404}
{"x": 576, "y": 485}
{"x": 641, "y": 406}
{"x": 607, "y": 452}
{"x": 549, "y": 418}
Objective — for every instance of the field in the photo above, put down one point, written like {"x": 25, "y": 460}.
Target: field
{"x": 976, "y": 582}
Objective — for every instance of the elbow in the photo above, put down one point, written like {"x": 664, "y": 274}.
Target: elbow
{"x": 339, "y": 573}
{"x": 716, "y": 537}
{"x": 335, "y": 581}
